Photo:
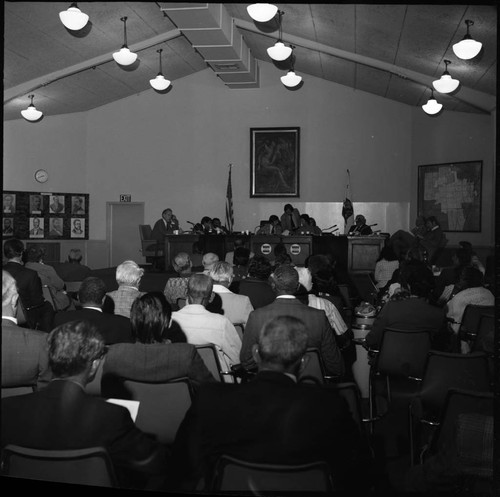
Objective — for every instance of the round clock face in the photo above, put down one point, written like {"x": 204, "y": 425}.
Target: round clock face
{"x": 41, "y": 176}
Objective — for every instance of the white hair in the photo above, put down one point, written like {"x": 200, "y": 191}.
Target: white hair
{"x": 129, "y": 273}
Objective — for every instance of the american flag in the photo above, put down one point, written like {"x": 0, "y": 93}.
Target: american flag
{"x": 229, "y": 204}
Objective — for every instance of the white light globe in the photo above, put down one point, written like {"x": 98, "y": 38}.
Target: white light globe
{"x": 432, "y": 106}
{"x": 291, "y": 79}
{"x": 125, "y": 57}
{"x": 446, "y": 84}
{"x": 31, "y": 114}
{"x": 279, "y": 51}
{"x": 262, "y": 12}
{"x": 467, "y": 48}
{"x": 74, "y": 18}
{"x": 159, "y": 83}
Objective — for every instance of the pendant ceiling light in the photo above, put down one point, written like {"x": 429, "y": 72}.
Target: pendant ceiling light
{"x": 31, "y": 114}
{"x": 446, "y": 84}
{"x": 74, "y": 18}
{"x": 432, "y": 106}
{"x": 159, "y": 83}
{"x": 279, "y": 51}
{"x": 125, "y": 57}
{"x": 467, "y": 48}
{"x": 262, "y": 12}
{"x": 291, "y": 80}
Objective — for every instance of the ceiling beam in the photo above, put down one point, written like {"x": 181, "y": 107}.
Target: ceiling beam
{"x": 479, "y": 100}
{"x": 34, "y": 84}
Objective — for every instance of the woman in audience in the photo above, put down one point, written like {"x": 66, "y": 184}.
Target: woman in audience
{"x": 281, "y": 255}
{"x": 385, "y": 266}
{"x": 49, "y": 277}
{"x": 256, "y": 285}
{"x": 153, "y": 357}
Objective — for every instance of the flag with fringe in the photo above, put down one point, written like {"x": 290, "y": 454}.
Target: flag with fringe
{"x": 229, "y": 204}
{"x": 347, "y": 207}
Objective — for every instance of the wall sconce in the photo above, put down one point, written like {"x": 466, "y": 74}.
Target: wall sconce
{"x": 31, "y": 114}
{"x": 467, "y": 48}
{"x": 279, "y": 51}
{"x": 262, "y": 12}
{"x": 159, "y": 83}
{"x": 446, "y": 84}
{"x": 73, "y": 18}
{"x": 125, "y": 57}
{"x": 291, "y": 80}
{"x": 432, "y": 106}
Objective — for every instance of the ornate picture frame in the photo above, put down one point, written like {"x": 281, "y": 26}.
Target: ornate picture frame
{"x": 453, "y": 193}
{"x": 274, "y": 162}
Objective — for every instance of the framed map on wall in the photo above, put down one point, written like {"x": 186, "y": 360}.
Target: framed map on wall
{"x": 452, "y": 193}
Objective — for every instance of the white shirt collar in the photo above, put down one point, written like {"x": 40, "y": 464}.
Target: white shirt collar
{"x": 285, "y": 297}
{"x": 92, "y": 307}
{"x": 221, "y": 289}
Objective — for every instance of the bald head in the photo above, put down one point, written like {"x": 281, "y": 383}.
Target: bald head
{"x": 209, "y": 259}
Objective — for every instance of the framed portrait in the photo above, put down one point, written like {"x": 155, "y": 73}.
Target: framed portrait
{"x": 77, "y": 205}
{"x": 56, "y": 227}
{"x": 36, "y": 227}
{"x": 9, "y": 203}
{"x": 452, "y": 192}
{"x": 36, "y": 204}
{"x": 274, "y": 162}
{"x": 8, "y": 226}
{"x": 77, "y": 227}
{"x": 56, "y": 204}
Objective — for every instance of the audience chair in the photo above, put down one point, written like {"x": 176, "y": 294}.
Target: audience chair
{"x": 470, "y": 320}
{"x": 443, "y": 371}
{"x": 314, "y": 370}
{"x": 365, "y": 286}
{"x": 162, "y": 406}
{"x": 181, "y": 302}
{"x": 17, "y": 390}
{"x": 208, "y": 352}
{"x": 150, "y": 248}
{"x": 21, "y": 314}
{"x": 48, "y": 295}
{"x": 72, "y": 288}
{"x": 484, "y": 341}
{"x": 90, "y": 466}
{"x": 250, "y": 478}
{"x": 400, "y": 361}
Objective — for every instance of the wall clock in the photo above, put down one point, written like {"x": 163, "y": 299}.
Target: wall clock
{"x": 41, "y": 175}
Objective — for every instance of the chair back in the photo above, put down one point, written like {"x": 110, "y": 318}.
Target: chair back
{"x": 90, "y": 466}
{"x": 485, "y": 336}
{"x": 21, "y": 315}
{"x": 403, "y": 353}
{"x": 210, "y": 355}
{"x": 314, "y": 370}
{"x": 350, "y": 392}
{"x": 235, "y": 475}
{"x": 471, "y": 318}
{"x": 48, "y": 295}
{"x": 181, "y": 302}
{"x": 18, "y": 390}
{"x": 162, "y": 406}
{"x": 145, "y": 232}
{"x": 94, "y": 386}
{"x": 446, "y": 370}
{"x": 72, "y": 286}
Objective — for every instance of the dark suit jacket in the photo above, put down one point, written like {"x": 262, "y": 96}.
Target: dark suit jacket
{"x": 156, "y": 362}
{"x": 286, "y": 221}
{"x": 72, "y": 271}
{"x": 270, "y": 419}
{"x": 258, "y": 291}
{"x": 113, "y": 328}
{"x": 363, "y": 230}
{"x": 63, "y": 416}
{"x": 24, "y": 356}
{"x": 28, "y": 282}
{"x": 160, "y": 230}
{"x": 320, "y": 333}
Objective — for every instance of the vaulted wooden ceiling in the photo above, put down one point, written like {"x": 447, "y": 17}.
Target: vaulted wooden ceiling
{"x": 394, "y": 51}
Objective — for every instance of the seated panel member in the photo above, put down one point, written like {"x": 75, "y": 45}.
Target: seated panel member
{"x": 63, "y": 416}
{"x": 271, "y": 419}
{"x": 165, "y": 226}
{"x": 290, "y": 219}
{"x": 272, "y": 227}
{"x": 359, "y": 228}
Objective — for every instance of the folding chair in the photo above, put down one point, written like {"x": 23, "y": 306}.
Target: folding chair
{"x": 208, "y": 352}
{"x": 250, "y": 478}
{"x": 89, "y": 466}
{"x": 314, "y": 370}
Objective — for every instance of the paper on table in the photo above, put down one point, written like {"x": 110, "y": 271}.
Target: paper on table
{"x": 131, "y": 405}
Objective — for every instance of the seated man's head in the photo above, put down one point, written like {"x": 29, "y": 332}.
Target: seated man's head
{"x": 35, "y": 254}
{"x": 206, "y": 222}
{"x": 431, "y": 221}
{"x": 92, "y": 292}
{"x": 75, "y": 350}
{"x": 10, "y": 295}
{"x": 360, "y": 220}
{"x": 305, "y": 220}
{"x": 222, "y": 273}
{"x": 216, "y": 222}
{"x": 260, "y": 267}
{"x": 199, "y": 289}
{"x": 182, "y": 263}
{"x": 282, "y": 345}
{"x": 13, "y": 248}
{"x": 209, "y": 259}
{"x": 285, "y": 280}
{"x": 75, "y": 255}
{"x": 129, "y": 273}
{"x": 167, "y": 215}
{"x": 150, "y": 318}
{"x": 288, "y": 208}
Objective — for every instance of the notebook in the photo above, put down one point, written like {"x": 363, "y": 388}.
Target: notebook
{"x": 131, "y": 405}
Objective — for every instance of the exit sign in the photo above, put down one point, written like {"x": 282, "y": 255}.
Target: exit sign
{"x": 125, "y": 198}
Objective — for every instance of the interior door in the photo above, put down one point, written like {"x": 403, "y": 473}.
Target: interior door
{"x": 122, "y": 231}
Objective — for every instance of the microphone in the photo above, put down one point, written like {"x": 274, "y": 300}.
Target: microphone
{"x": 370, "y": 225}
{"x": 189, "y": 222}
{"x": 334, "y": 226}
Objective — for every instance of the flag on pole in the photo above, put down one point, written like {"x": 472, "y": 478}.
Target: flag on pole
{"x": 229, "y": 204}
{"x": 347, "y": 207}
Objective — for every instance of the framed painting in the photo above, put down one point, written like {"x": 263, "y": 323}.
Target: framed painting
{"x": 452, "y": 192}
{"x": 274, "y": 162}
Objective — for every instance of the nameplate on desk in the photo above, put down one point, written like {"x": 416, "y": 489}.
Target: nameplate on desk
{"x": 125, "y": 197}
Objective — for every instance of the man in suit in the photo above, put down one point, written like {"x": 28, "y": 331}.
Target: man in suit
{"x": 24, "y": 351}
{"x": 360, "y": 228}
{"x": 39, "y": 312}
{"x": 63, "y": 416}
{"x": 56, "y": 207}
{"x": 128, "y": 277}
{"x": 92, "y": 294}
{"x": 37, "y": 229}
{"x": 73, "y": 269}
{"x": 236, "y": 307}
{"x": 272, "y": 227}
{"x": 165, "y": 226}
{"x": 270, "y": 419}
{"x": 285, "y": 282}
{"x": 290, "y": 219}
{"x": 9, "y": 204}
{"x": 176, "y": 287}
